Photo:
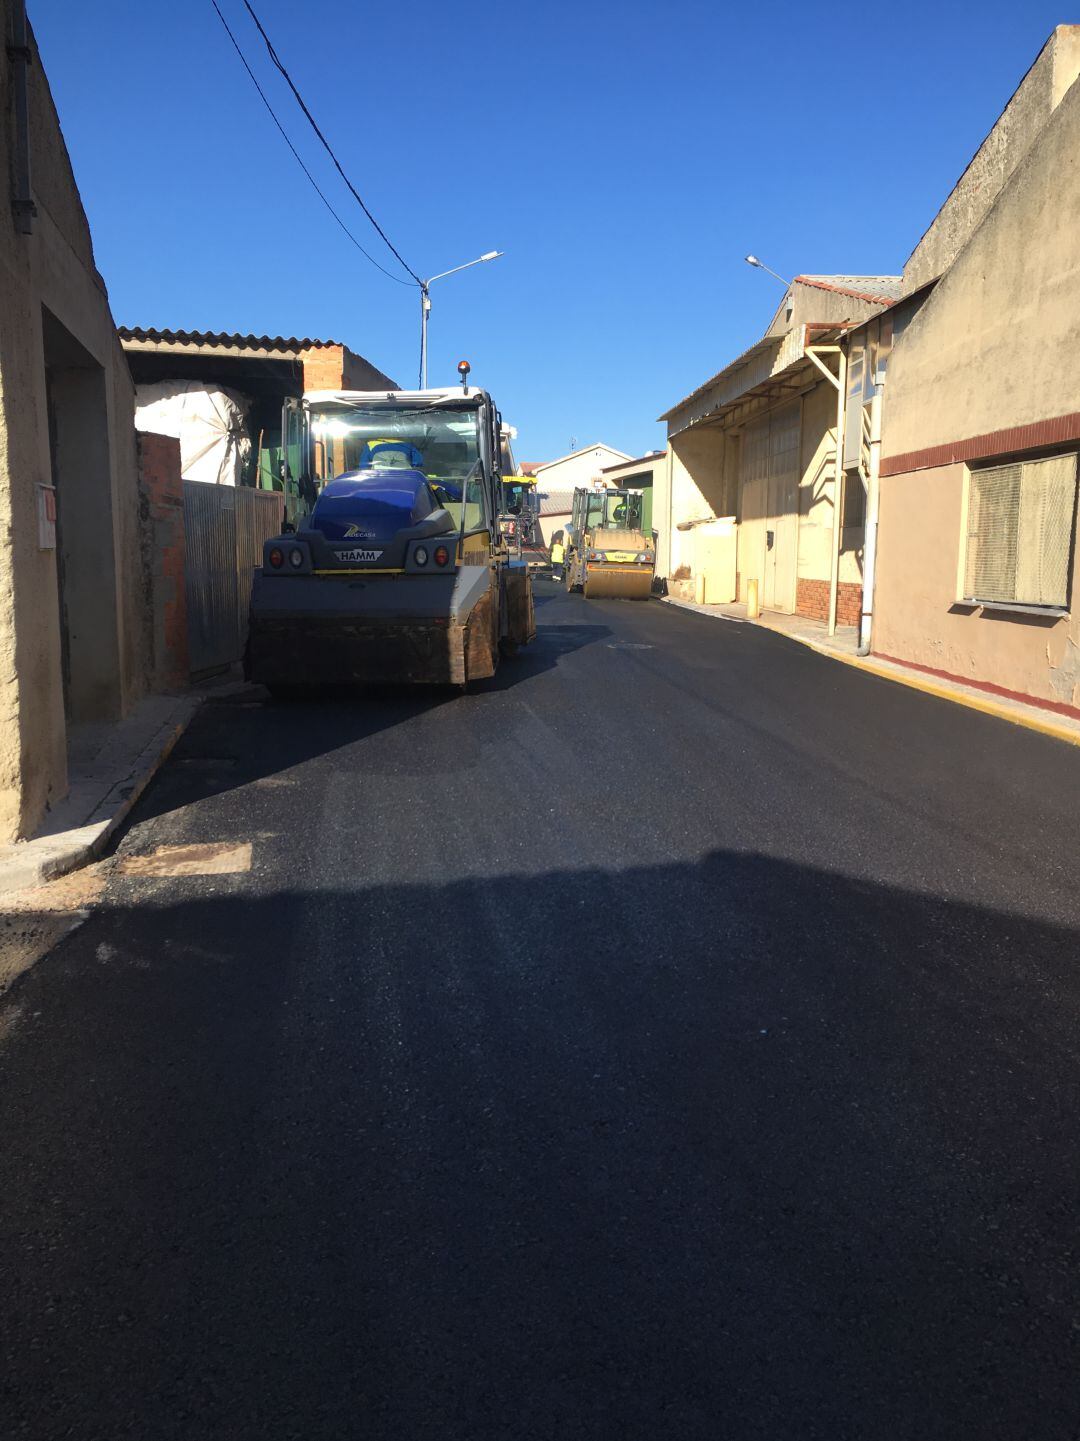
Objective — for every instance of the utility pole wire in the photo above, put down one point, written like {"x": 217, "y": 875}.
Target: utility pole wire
{"x": 326, "y": 144}
{"x": 314, "y": 184}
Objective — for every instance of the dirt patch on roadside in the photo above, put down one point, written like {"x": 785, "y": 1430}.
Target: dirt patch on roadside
{"x": 34, "y": 920}
{"x": 223, "y": 858}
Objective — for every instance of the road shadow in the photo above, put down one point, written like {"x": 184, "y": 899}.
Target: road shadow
{"x": 734, "y": 1149}
{"x": 239, "y": 739}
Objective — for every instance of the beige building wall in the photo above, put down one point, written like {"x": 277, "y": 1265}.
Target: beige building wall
{"x": 988, "y": 369}
{"x": 701, "y": 483}
{"x": 1020, "y": 124}
{"x": 997, "y": 343}
{"x": 704, "y": 480}
{"x": 916, "y": 617}
{"x": 55, "y": 320}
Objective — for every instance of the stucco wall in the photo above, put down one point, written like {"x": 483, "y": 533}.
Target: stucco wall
{"x": 997, "y": 343}
{"x": 699, "y": 482}
{"x": 994, "y": 347}
{"x": 817, "y": 305}
{"x": 51, "y": 270}
{"x": 1041, "y": 90}
{"x": 915, "y": 615}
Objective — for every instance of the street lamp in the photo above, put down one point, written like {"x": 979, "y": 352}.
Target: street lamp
{"x": 425, "y": 304}
{"x": 760, "y": 264}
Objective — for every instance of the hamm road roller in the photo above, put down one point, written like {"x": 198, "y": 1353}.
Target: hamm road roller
{"x": 399, "y": 573}
{"x": 607, "y": 551}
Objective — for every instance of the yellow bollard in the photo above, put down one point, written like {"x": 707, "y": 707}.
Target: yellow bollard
{"x": 699, "y": 589}
{"x": 753, "y": 610}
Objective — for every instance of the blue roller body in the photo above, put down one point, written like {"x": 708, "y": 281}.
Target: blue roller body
{"x": 373, "y": 505}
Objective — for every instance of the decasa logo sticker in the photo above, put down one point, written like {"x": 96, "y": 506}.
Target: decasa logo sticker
{"x": 353, "y": 532}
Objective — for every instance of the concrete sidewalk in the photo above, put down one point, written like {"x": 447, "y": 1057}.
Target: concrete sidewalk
{"x": 843, "y": 646}
{"x": 110, "y": 765}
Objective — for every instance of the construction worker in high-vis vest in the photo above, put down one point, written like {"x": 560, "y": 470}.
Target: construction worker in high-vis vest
{"x": 558, "y": 554}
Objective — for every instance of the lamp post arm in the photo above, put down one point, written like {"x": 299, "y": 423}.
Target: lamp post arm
{"x": 425, "y": 304}
{"x": 467, "y": 266}
{"x": 773, "y": 273}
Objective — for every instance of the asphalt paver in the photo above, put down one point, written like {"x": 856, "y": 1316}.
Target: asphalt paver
{"x": 677, "y": 1036}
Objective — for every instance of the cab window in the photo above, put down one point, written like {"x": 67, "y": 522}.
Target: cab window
{"x": 474, "y": 508}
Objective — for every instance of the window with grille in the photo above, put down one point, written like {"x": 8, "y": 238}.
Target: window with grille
{"x": 1019, "y": 538}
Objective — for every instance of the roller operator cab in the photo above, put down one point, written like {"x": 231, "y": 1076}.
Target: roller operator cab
{"x": 519, "y": 516}
{"x": 519, "y": 503}
{"x": 399, "y": 573}
{"x": 607, "y": 550}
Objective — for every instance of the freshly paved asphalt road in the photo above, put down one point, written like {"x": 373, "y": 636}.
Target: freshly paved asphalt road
{"x": 677, "y": 1038}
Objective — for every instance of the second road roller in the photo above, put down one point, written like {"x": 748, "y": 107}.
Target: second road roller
{"x": 607, "y": 550}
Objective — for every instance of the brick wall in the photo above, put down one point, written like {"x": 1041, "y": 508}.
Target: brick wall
{"x": 812, "y": 600}
{"x": 335, "y": 367}
{"x": 323, "y": 368}
{"x": 161, "y": 494}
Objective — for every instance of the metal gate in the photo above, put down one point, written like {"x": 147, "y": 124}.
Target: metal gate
{"x": 224, "y": 530}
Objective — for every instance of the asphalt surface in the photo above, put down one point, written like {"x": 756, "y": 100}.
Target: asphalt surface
{"x": 676, "y": 1038}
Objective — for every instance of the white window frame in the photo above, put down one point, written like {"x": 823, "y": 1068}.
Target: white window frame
{"x": 964, "y": 594}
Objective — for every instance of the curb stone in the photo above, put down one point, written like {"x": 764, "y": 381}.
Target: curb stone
{"x": 32, "y": 862}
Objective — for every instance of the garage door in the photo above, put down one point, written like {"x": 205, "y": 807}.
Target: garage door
{"x": 769, "y": 529}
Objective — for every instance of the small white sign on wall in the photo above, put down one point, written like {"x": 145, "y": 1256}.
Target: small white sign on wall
{"x": 46, "y": 516}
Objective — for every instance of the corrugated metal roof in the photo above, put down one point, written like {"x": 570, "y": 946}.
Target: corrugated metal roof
{"x": 774, "y": 341}
{"x": 222, "y": 340}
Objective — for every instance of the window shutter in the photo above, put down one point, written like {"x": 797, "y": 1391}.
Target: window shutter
{"x": 1020, "y": 525}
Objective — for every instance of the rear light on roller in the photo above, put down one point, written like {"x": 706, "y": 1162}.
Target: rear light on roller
{"x": 276, "y": 558}
{"x": 442, "y": 555}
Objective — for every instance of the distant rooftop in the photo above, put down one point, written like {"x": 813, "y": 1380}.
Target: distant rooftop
{"x": 584, "y": 450}
{"x": 646, "y": 459}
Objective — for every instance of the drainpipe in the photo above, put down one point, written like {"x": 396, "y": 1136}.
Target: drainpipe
{"x": 669, "y": 467}
{"x": 838, "y": 489}
{"x": 20, "y": 55}
{"x": 873, "y": 491}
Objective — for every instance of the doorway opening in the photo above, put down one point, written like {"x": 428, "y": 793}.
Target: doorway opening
{"x": 80, "y": 461}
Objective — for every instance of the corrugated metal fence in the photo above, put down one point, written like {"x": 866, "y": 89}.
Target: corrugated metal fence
{"x": 225, "y": 527}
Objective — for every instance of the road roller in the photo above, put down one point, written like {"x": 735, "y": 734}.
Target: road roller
{"x": 399, "y": 574}
{"x": 607, "y": 551}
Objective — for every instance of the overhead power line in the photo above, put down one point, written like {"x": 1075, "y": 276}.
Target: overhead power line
{"x": 326, "y": 144}
{"x": 313, "y": 182}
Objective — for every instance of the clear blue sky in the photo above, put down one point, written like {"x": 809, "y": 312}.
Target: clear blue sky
{"x": 624, "y": 155}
